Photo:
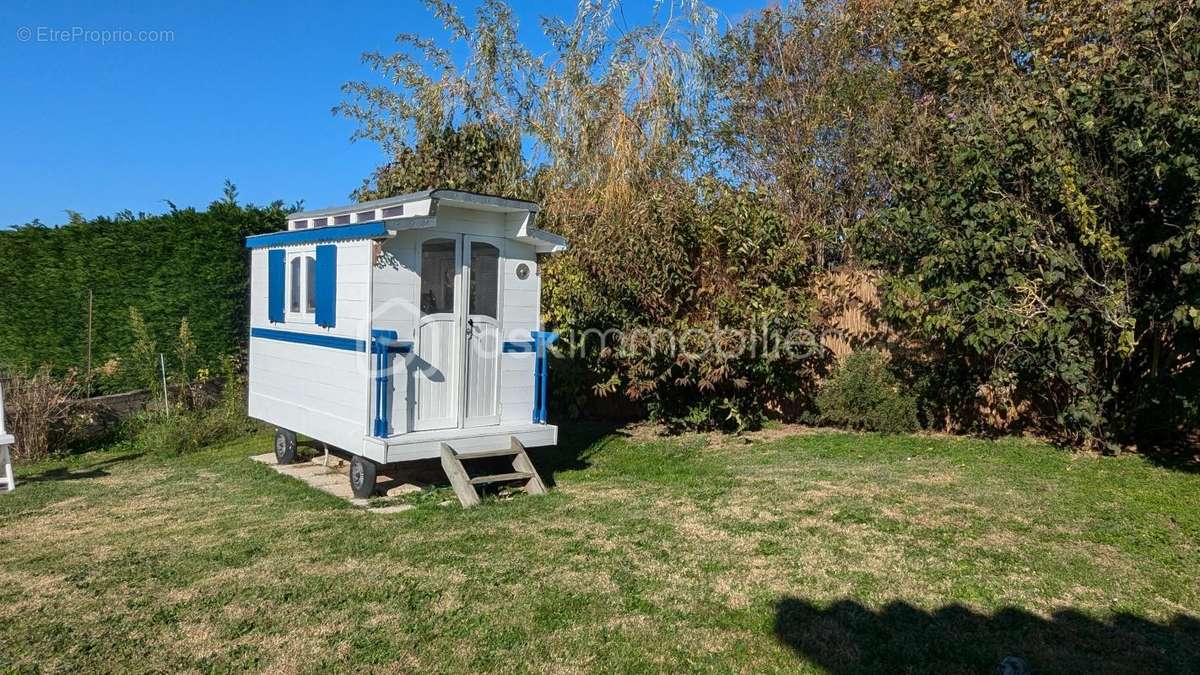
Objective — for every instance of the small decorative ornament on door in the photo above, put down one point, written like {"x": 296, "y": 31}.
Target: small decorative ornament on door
{"x": 522, "y": 271}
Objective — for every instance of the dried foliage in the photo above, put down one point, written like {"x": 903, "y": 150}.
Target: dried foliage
{"x": 808, "y": 95}
{"x": 37, "y": 408}
{"x": 612, "y": 120}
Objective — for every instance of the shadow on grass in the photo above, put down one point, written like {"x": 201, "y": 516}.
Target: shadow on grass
{"x": 847, "y": 637}
{"x": 575, "y": 440}
{"x": 1183, "y": 455}
{"x": 66, "y": 473}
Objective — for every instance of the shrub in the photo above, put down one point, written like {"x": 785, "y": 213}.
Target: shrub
{"x": 186, "y": 430}
{"x": 184, "y": 262}
{"x": 37, "y": 410}
{"x": 1043, "y": 230}
{"x": 864, "y": 394}
{"x": 708, "y": 295}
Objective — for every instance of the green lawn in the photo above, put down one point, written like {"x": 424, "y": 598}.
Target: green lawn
{"x": 823, "y": 552}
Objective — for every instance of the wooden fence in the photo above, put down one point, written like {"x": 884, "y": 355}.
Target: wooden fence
{"x": 847, "y": 313}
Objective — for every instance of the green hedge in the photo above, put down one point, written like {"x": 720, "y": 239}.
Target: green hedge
{"x": 185, "y": 263}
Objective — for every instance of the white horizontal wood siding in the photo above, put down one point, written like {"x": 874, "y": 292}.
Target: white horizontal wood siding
{"x": 470, "y": 221}
{"x": 317, "y": 391}
{"x": 395, "y": 307}
{"x": 519, "y": 317}
{"x": 397, "y": 284}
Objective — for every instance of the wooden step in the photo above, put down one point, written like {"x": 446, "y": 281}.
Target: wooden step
{"x": 484, "y": 454}
{"x": 501, "y": 478}
{"x": 465, "y": 486}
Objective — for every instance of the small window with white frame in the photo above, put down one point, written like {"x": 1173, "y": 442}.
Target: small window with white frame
{"x": 302, "y": 285}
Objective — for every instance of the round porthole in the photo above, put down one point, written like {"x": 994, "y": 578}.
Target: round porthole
{"x": 522, "y": 271}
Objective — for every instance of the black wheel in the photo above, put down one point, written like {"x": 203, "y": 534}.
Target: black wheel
{"x": 285, "y": 446}
{"x": 362, "y": 476}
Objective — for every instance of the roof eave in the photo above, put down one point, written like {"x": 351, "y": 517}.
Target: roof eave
{"x": 545, "y": 242}
{"x": 459, "y": 197}
{"x": 373, "y": 230}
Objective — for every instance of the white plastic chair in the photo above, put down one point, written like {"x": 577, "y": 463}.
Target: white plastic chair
{"x": 7, "y": 481}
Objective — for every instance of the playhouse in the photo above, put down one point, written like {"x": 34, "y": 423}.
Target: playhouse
{"x": 404, "y": 328}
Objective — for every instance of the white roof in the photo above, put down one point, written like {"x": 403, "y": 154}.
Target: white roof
{"x": 457, "y": 197}
{"x": 422, "y": 205}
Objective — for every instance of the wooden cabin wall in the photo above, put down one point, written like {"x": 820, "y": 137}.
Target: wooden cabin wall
{"x": 314, "y": 390}
{"x": 519, "y": 315}
{"x": 396, "y": 305}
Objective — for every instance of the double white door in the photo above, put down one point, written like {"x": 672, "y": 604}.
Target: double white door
{"x": 456, "y": 354}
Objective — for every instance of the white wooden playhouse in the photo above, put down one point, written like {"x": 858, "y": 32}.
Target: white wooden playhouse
{"x": 401, "y": 329}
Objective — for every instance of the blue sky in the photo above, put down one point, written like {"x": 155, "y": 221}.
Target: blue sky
{"x": 240, "y": 90}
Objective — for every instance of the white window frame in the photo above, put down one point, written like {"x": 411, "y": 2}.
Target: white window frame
{"x": 302, "y": 316}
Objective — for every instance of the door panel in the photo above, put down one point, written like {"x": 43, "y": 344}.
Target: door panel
{"x": 482, "y": 387}
{"x": 435, "y": 365}
{"x": 434, "y": 375}
{"x": 482, "y": 370}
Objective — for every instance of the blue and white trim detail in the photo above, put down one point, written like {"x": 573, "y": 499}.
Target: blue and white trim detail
{"x": 383, "y": 344}
{"x": 318, "y": 235}
{"x": 315, "y": 339}
{"x": 276, "y": 278}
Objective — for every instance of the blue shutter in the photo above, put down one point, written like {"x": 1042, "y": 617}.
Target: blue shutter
{"x": 326, "y": 285}
{"x": 275, "y": 284}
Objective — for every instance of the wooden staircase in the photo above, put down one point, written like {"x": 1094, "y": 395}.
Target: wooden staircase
{"x": 465, "y": 485}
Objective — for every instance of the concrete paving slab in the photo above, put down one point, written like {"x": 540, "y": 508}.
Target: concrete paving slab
{"x": 332, "y": 480}
{"x": 403, "y": 489}
{"x": 324, "y": 480}
{"x": 339, "y": 489}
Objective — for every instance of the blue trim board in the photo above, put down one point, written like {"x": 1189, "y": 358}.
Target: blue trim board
{"x": 541, "y": 379}
{"x": 318, "y": 235}
{"x": 518, "y": 347}
{"x": 315, "y": 339}
{"x": 326, "y": 285}
{"x": 276, "y": 279}
{"x": 388, "y": 340}
{"x": 394, "y": 346}
{"x": 383, "y": 382}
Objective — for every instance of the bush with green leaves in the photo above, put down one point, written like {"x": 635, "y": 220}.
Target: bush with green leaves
{"x": 1043, "y": 223}
{"x": 863, "y": 393}
{"x": 1025, "y": 174}
{"x": 184, "y": 429}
